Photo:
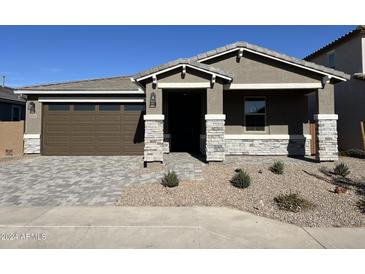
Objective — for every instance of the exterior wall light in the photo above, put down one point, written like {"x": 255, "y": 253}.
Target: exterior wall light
{"x": 153, "y": 100}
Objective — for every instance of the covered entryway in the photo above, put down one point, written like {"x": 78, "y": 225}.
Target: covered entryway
{"x": 185, "y": 121}
{"x": 92, "y": 129}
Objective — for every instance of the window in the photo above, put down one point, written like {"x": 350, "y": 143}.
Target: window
{"x": 31, "y": 108}
{"x": 332, "y": 60}
{"x": 16, "y": 113}
{"x": 255, "y": 114}
{"x": 84, "y": 107}
{"x": 139, "y": 107}
{"x": 109, "y": 107}
{"x": 58, "y": 107}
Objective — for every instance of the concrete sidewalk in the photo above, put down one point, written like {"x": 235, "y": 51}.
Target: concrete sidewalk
{"x": 156, "y": 227}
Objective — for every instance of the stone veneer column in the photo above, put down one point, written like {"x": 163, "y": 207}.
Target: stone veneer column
{"x": 326, "y": 130}
{"x": 32, "y": 144}
{"x": 153, "y": 138}
{"x": 215, "y": 144}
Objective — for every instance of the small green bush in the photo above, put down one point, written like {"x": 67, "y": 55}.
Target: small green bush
{"x": 292, "y": 202}
{"x": 241, "y": 179}
{"x": 341, "y": 169}
{"x": 356, "y": 153}
{"x": 170, "y": 179}
{"x": 277, "y": 167}
{"x": 361, "y": 205}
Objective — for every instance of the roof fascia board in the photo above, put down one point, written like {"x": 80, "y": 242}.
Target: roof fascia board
{"x": 273, "y": 86}
{"x": 56, "y": 92}
{"x": 184, "y": 85}
{"x": 180, "y": 65}
{"x": 271, "y": 57}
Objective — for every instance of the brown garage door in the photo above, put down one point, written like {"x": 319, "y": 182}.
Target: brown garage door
{"x": 92, "y": 129}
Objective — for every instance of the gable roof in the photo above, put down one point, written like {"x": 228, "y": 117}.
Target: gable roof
{"x": 180, "y": 62}
{"x": 273, "y": 55}
{"x": 121, "y": 83}
{"x": 7, "y": 94}
{"x": 349, "y": 35}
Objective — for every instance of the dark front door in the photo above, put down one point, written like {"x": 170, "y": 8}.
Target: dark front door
{"x": 184, "y": 112}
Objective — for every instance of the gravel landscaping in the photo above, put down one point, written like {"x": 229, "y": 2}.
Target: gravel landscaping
{"x": 312, "y": 181}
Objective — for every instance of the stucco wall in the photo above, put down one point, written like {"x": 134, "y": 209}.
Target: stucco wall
{"x": 350, "y": 107}
{"x": 286, "y": 112}
{"x": 348, "y": 55}
{"x": 326, "y": 100}
{"x": 257, "y": 69}
{"x": 214, "y": 95}
{"x": 176, "y": 76}
{"x": 33, "y": 123}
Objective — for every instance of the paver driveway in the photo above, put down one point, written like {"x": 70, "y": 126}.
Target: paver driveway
{"x": 83, "y": 180}
{"x": 67, "y": 180}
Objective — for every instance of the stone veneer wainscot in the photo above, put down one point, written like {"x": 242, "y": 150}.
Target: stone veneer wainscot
{"x": 326, "y": 128}
{"x": 32, "y": 143}
{"x": 215, "y": 144}
{"x": 153, "y": 138}
{"x": 268, "y": 144}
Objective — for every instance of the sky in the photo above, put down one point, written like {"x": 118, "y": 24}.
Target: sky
{"x": 44, "y": 54}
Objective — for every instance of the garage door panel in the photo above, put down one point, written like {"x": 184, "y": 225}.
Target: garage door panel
{"x": 71, "y": 132}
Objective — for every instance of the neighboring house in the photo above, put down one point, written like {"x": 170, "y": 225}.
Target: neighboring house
{"x": 12, "y": 107}
{"x": 347, "y": 54}
{"x": 240, "y": 99}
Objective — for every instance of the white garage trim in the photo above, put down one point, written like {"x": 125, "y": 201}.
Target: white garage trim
{"x": 90, "y": 100}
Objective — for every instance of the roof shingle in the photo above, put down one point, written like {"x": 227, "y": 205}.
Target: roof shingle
{"x": 102, "y": 84}
{"x": 273, "y": 54}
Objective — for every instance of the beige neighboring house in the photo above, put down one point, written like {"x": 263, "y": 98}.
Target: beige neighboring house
{"x": 239, "y": 99}
{"x": 347, "y": 54}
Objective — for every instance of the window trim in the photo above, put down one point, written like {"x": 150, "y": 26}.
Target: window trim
{"x": 245, "y": 130}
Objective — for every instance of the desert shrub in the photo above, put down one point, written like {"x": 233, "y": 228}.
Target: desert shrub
{"x": 241, "y": 179}
{"x": 292, "y": 202}
{"x": 277, "y": 167}
{"x": 341, "y": 169}
{"x": 361, "y": 205}
{"x": 170, "y": 179}
{"x": 356, "y": 153}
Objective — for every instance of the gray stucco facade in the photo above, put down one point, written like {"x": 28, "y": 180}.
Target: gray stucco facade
{"x": 224, "y": 78}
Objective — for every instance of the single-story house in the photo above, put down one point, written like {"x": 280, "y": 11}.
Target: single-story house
{"x": 239, "y": 99}
{"x": 12, "y": 107}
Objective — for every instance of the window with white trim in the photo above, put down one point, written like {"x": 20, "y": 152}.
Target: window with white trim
{"x": 255, "y": 113}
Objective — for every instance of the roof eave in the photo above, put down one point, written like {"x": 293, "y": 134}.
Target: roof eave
{"x": 151, "y": 74}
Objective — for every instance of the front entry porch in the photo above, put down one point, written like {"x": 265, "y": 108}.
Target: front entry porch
{"x": 189, "y": 110}
{"x": 184, "y": 120}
